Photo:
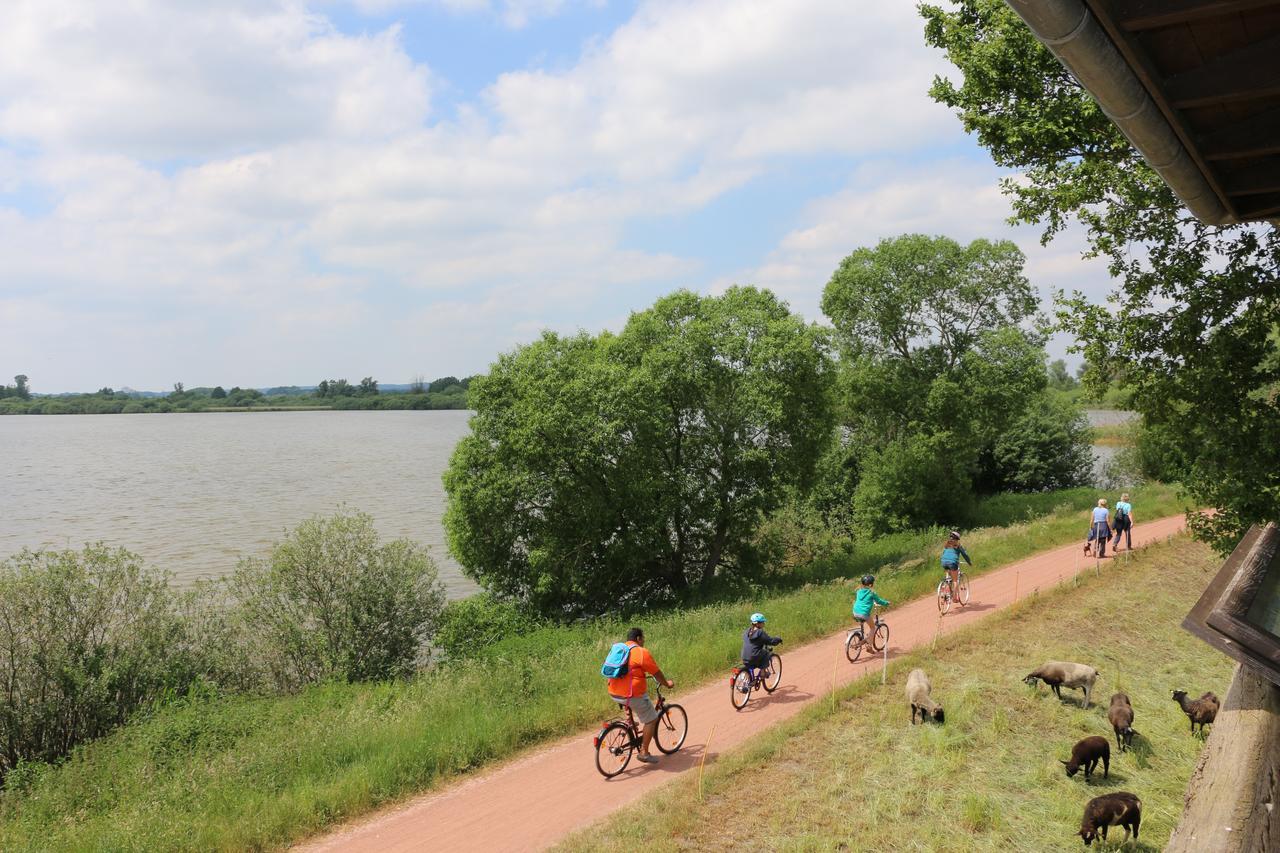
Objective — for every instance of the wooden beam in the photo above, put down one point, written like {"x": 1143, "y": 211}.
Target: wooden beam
{"x": 1252, "y": 71}
{"x": 1256, "y": 179}
{"x": 1259, "y": 207}
{"x": 1134, "y": 15}
{"x": 1252, "y": 137}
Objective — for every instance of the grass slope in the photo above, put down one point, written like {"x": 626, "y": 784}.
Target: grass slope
{"x": 236, "y": 772}
{"x": 853, "y": 774}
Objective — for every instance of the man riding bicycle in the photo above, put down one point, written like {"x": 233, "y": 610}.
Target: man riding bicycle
{"x": 632, "y": 689}
{"x": 755, "y": 655}
{"x": 951, "y": 555}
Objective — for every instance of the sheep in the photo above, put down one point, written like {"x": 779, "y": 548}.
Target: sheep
{"x": 918, "y": 694}
{"x": 1118, "y": 809}
{"x": 1086, "y": 753}
{"x": 1201, "y": 711}
{"x": 1058, "y": 674}
{"x": 1121, "y": 716}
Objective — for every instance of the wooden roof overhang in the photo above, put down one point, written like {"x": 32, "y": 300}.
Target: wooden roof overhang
{"x": 1211, "y": 72}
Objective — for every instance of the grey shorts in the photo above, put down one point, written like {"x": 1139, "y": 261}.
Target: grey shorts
{"x": 641, "y": 707}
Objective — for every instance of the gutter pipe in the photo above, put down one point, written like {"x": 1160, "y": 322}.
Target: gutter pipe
{"x": 1075, "y": 37}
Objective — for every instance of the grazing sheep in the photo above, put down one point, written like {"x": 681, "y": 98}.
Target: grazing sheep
{"x": 1121, "y": 716}
{"x": 1201, "y": 711}
{"x": 1058, "y": 674}
{"x": 1087, "y": 753}
{"x": 1118, "y": 809}
{"x": 918, "y": 694}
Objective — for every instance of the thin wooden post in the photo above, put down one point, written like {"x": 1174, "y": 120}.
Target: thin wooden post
{"x": 706, "y": 748}
{"x": 1017, "y": 576}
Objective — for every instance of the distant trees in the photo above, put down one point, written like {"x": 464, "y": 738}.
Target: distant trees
{"x": 18, "y": 389}
{"x": 368, "y": 387}
{"x": 1059, "y": 378}
{"x": 218, "y": 393}
{"x": 617, "y": 470}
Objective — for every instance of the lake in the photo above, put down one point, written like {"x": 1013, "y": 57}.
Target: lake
{"x": 192, "y": 493}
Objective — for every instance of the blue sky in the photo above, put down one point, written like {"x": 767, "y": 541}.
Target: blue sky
{"x": 263, "y": 192}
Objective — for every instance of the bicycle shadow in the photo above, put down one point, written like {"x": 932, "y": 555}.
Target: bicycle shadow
{"x": 784, "y": 695}
{"x": 975, "y": 608}
{"x": 689, "y": 756}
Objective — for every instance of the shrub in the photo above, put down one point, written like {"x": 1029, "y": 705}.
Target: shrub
{"x": 331, "y": 602}
{"x": 470, "y": 625}
{"x": 86, "y": 638}
{"x": 1047, "y": 448}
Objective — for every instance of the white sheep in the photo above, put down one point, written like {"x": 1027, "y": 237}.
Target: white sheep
{"x": 1058, "y": 674}
{"x": 918, "y": 694}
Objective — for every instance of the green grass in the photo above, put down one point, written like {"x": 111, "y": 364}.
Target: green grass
{"x": 1115, "y": 435}
{"x": 852, "y": 773}
{"x": 249, "y": 773}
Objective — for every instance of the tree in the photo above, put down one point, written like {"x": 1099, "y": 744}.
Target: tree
{"x": 1059, "y": 378}
{"x": 1192, "y": 327}
{"x": 418, "y": 385}
{"x": 218, "y": 393}
{"x": 442, "y": 383}
{"x": 331, "y": 601}
{"x": 368, "y": 387}
{"x": 610, "y": 472}
{"x": 20, "y": 389}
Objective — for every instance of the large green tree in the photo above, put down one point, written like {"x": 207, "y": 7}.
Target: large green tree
{"x": 1191, "y": 326}
{"x": 613, "y": 471}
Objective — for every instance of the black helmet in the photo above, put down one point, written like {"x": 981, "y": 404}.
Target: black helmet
{"x": 868, "y": 580}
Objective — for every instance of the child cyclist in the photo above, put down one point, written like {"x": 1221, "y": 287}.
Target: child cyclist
{"x": 865, "y": 600}
{"x": 952, "y": 553}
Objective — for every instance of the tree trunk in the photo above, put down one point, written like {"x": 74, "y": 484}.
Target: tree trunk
{"x": 1231, "y": 798}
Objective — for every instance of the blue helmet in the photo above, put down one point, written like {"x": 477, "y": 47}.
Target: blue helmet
{"x": 757, "y": 617}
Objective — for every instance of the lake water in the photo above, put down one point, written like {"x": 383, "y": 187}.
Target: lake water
{"x": 192, "y": 493}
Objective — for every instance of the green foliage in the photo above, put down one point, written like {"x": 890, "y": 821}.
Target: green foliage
{"x": 86, "y": 638}
{"x": 218, "y": 393}
{"x": 1059, "y": 378}
{"x": 1045, "y": 449}
{"x": 1191, "y": 327}
{"x": 470, "y": 626}
{"x": 605, "y": 472}
{"x": 331, "y": 602}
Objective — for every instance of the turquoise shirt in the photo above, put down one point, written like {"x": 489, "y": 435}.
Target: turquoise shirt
{"x": 863, "y": 603}
{"x": 1123, "y": 508}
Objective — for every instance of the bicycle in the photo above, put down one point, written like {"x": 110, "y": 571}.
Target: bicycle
{"x": 619, "y": 738}
{"x": 947, "y": 593}
{"x": 854, "y": 641}
{"x": 745, "y": 679}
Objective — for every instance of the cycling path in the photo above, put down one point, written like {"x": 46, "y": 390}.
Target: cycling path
{"x": 535, "y": 801}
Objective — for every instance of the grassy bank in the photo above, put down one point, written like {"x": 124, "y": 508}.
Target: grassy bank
{"x": 238, "y": 772}
{"x": 989, "y": 779}
{"x": 1114, "y": 435}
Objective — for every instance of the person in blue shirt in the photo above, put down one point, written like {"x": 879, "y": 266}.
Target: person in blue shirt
{"x": 1099, "y": 528}
{"x": 952, "y": 553}
{"x": 1124, "y": 522}
{"x": 864, "y": 601}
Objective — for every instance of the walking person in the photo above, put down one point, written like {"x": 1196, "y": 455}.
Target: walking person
{"x": 1099, "y": 528}
{"x": 1124, "y": 523}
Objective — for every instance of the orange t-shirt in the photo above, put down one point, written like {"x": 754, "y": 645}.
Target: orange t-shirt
{"x": 633, "y": 683}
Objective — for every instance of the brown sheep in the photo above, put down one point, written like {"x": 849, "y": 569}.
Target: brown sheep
{"x": 1118, "y": 809}
{"x": 921, "y": 699}
{"x": 1058, "y": 674}
{"x": 1201, "y": 712}
{"x": 1121, "y": 716}
{"x": 1087, "y": 753}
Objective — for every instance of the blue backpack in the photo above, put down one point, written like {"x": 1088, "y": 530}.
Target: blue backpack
{"x": 618, "y": 662}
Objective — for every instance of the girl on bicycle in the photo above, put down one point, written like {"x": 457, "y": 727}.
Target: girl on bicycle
{"x": 865, "y": 600}
{"x": 952, "y": 553}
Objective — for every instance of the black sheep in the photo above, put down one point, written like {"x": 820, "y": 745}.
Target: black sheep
{"x": 1118, "y": 809}
{"x": 1087, "y": 753}
{"x": 1202, "y": 711}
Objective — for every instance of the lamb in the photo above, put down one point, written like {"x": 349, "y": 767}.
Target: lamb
{"x": 1087, "y": 753}
{"x": 1118, "y": 809}
{"x": 1058, "y": 674}
{"x": 918, "y": 694}
{"x": 1202, "y": 710}
{"x": 1121, "y": 716}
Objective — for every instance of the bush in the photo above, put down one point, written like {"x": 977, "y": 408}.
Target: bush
{"x": 915, "y": 481}
{"x": 1047, "y": 448}
{"x": 86, "y": 638}
{"x": 330, "y": 602}
{"x": 470, "y": 625}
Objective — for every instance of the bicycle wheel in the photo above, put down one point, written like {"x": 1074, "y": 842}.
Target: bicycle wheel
{"x": 853, "y": 646}
{"x": 775, "y": 673}
{"x": 673, "y": 725}
{"x": 740, "y": 689}
{"x": 944, "y": 596}
{"x": 613, "y": 750}
{"x": 963, "y": 590}
{"x": 880, "y": 639}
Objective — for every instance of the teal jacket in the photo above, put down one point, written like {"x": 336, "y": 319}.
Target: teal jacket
{"x": 863, "y": 603}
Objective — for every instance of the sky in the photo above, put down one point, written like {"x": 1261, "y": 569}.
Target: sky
{"x": 273, "y": 192}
